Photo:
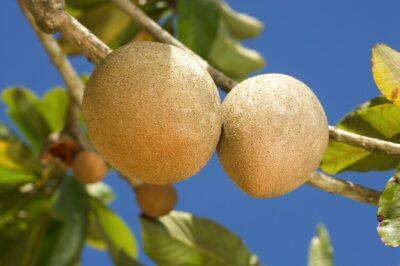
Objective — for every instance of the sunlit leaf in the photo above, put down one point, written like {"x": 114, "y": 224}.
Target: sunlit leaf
{"x": 183, "y": 239}
{"x": 65, "y": 236}
{"x": 198, "y": 22}
{"x": 8, "y": 177}
{"x": 53, "y": 108}
{"x": 108, "y": 22}
{"x": 389, "y": 213}
{"x": 6, "y": 133}
{"x": 101, "y": 191}
{"x": 227, "y": 54}
{"x": 241, "y": 25}
{"x": 211, "y": 29}
{"x": 22, "y": 109}
{"x": 118, "y": 237}
{"x": 84, "y": 3}
{"x": 386, "y": 71}
{"x": 320, "y": 251}
{"x": 15, "y": 155}
{"x": 377, "y": 118}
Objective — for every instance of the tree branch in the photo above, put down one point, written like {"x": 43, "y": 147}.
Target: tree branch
{"x": 71, "y": 79}
{"x": 50, "y": 18}
{"x": 344, "y": 188}
{"x": 95, "y": 50}
{"x": 367, "y": 143}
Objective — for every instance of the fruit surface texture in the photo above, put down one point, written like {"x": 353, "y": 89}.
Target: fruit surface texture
{"x": 88, "y": 167}
{"x": 153, "y": 112}
{"x": 274, "y": 134}
{"x": 156, "y": 200}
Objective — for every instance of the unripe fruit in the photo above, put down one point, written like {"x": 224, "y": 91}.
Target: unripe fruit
{"x": 88, "y": 167}
{"x": 153, "y": 112}
{"x": 274, "y": 134}
{"x": 156, "y": 200}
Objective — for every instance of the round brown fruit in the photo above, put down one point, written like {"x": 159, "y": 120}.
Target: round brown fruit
{"x": 88, "y": 167}
{"x": 274, "y": 135}
{"x": 153, "y": 112}
{"x": 156, "y": 200}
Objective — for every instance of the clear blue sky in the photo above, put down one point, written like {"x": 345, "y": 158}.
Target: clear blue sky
{"x": 324, "y": 43}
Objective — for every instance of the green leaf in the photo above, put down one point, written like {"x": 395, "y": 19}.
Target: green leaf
{"x": 22, "y": 229}
{"x": 84, "y": 3}
{"x": 94, "y": 235}
{"x": 183, "y": 239}
{"x": 53, "y": 108}
{"x": 377, "y": 118}
{"x": 108, "y": 22}
{"x": 6, "y": 133}
{"x": 65, "y": 237}
{"x": 389, "y": 213}
{"x": 22, "y": 109}
{"x": 12, "y": 197}
{"x": 242, "y": 26}
{"x": 19, "y": 215}
{"x": 101, "y": 191}
{"x": 15, "y": 155}
{"x": 198, "y": 22}
{"x": 11, "y": 177}
{"x": 118, "y": 237}
{"x": 211, "y": 29}
{"x": 24, "y": 249}
{"x": 320, "y": 251}
{"x": 227, "y": 54}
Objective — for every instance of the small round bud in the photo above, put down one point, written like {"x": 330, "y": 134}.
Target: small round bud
{"x": 156, "y": 200}
{"x": 88, "y": 167}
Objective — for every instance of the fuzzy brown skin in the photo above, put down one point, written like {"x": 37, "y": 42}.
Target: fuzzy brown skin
{"x": 274, "y": 135}
{"x": 153, "y": 112}
{"x": 88, "y": 167}
{"x": 156, "y": 200}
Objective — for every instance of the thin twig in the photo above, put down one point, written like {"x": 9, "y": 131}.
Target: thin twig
{"x": 91, "y": 46}
{"x": 367, "y": 143}
{"x": 95, "y": 50}
{"x": 51, "y": 18}
{"x": 344, "y": 188}
{"x": 71, "y": 79}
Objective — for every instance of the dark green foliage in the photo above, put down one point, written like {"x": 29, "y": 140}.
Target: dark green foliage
{"x": 389, "y": 213}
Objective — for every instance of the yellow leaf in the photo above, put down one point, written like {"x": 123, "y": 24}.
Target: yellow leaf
{"x": 143, "y": 36}
{"x": 386, "y": 71}
{"x": 5, "y": 160}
